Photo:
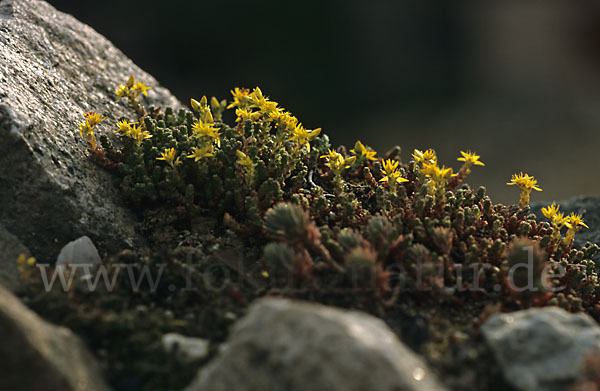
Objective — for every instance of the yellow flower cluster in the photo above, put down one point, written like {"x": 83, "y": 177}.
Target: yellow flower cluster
{"x": 438, "y": 178}
{"x": 427, "y": 157}
{"x": 202, "y": 152}
{"x": 302, "y": 137}
{"x": 131, "y": 89}
{"x": 526, "y": 183}
{"x": 247, "y": 165}
{"x": 391, "y": 174}
{"x": 204, "y": 128}
{"x": 337, "y": 162}
{"x": 573, "y": 222}
{"x": 362, "y": 153}
{"x": 244, "y": 160}
{"x": 255, "y": 106}
{"x": 25, "y": 265}
{"x": 470, "y": 159}
{"x": 169, "y": 156}
{"x": 86, "y": 128}
{"x": 133, "y": 131}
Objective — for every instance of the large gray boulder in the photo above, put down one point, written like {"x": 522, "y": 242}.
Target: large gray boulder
{"x": 543, "y": 349}
{"x": 39, "y": 356}
{"x": 10, "y": 249}
{"x": 292, "y": 346}
{"x": 54, "y": 68}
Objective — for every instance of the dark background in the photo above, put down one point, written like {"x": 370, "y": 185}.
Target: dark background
{"x": 516, "y": 81}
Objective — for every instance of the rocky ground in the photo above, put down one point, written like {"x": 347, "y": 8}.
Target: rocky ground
{"x": 59, "y": 206}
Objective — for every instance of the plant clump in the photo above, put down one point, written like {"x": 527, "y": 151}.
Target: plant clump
{"x": 337, "y": 226}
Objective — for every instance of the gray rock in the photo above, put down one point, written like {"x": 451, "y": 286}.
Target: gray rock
{"x": 53, "y": 68}
{"x": 81, "y": 251}
{"x": 287, "y": 345}
{"x": 185, "y": 349}
{"x": 10, "y": 249}
{"x": 39, "y": 356}
{"x": 542, "y": 349}
{"x": 589, "y": 207}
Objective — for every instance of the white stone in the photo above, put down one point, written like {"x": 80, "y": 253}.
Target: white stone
{"x": 79, "y": 252}
{"x": 185, "y": 349}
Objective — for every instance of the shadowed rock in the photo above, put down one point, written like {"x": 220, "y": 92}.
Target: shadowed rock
{"x": 39, "y": 356}
{"x": 543, "y": 349}
{"x": 288, "y": 345}
{"x": 10, "y": 249}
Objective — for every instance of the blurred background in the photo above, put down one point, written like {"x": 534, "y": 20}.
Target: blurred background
{"x": 516, "y": 81}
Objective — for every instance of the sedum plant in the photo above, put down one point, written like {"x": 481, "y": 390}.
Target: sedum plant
{"x": 326, "y": 210}
{"x": 398, "y": 238}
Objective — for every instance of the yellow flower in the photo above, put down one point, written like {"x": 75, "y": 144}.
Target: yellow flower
{"x": 526, "y": 183}
{"x": 436, "y": 173}
{"x": 550, "y": 211}
{"x": 130, "y": 81}
{"x": 283, "y": 119}
{"x": 25, "y": 266}
{"x": 390, "y": 167}
{"x": 427, "y": 157}
{"x": 560, "y": 220}
{"x": 137, "y": 134}
{"x": 199, "y": 106}
{"x": 392, "y": 175}
{"x": 557, "y": 219}
{"x": 201, "y": 153}
{"x": 93, "y": 119}
{"x": 336, "y": 161}
{"x": 218, "y": 107}
{"x": 241, "y": 98}
{"x": 573, "y": 225}
{"x": 124, "y": 127}
{"x": 576, "y": 220}
{"x": 470, "y": 159}
{"x": 24, "y": 260}
{"x": 247, "y": 165}
{"x": 140, "y": 88}
{"x": 244, "y": 160}
{"x": 362, "y": 152}
{"x": 121, "y": 91}
{"x": 259, "y": 101}
{"x": 131, "y": 89}
{"x": 439, "y": 177}
{"x": 303, "y": 137}
{"x": 169, "y": 156}
{"x": 245, "y": 114}
{"x": 207, "y": 130}
{"x": 203, "y": 110}
{"x": 85, "y": 129}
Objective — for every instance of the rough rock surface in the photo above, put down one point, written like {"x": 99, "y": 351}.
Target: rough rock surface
{"x": 53, "y": 68}
{"x": 39, "y": 356}
{"x": 542, "y": 349}
{"x": 10, "y": 249}
{"x": 589, "y": 207}
{"x": 286, "y": 345}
